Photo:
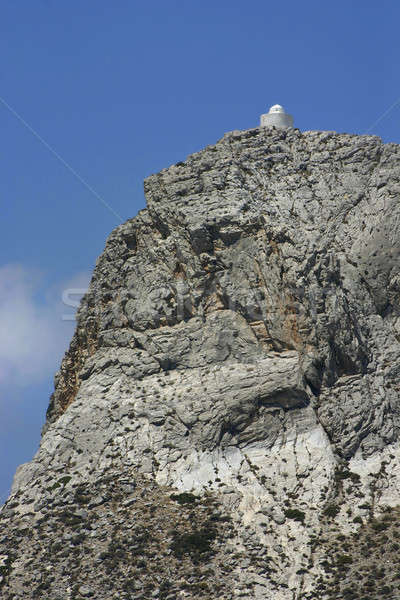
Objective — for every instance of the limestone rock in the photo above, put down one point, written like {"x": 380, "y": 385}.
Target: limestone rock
{"x": 225, "y": 423}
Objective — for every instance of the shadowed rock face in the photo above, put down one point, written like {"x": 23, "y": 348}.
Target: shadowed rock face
{"x": 240, "y": 339}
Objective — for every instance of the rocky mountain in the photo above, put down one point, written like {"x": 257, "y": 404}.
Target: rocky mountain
{"x": 225, "y": 423}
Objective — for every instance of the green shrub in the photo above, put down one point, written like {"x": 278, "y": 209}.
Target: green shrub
{"x": 197, "y": 544}
{"x": 184, "y": 498}
{"x": 379, "y": 525}
{"x": 332, "y": 510}
{"x": 346, "y": 474}
{"x": 343, "y": 560}
{"x": 295, "y": 514}
{"x": 62, "y": 482}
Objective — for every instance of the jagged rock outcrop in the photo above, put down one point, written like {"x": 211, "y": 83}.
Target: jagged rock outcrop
{"x": 226, "y": 421}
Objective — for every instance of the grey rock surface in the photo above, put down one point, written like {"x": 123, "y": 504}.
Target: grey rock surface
{"x": 239, "y": 349}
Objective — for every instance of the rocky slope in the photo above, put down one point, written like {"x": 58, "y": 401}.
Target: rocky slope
{"x": 226, "y": 421}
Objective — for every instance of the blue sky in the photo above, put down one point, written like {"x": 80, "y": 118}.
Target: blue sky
{"x": 119, "y": 90}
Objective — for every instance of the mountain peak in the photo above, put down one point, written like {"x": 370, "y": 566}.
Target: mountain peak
{"x": 226, "y": 419}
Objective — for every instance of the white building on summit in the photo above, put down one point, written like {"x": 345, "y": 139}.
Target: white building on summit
{"x": 276, "y": 117}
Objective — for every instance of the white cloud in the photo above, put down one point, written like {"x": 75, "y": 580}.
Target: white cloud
{"x": 33, "y": 333}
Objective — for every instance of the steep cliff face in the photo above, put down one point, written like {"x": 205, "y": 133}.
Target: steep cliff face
{"x": 226, "y": 421}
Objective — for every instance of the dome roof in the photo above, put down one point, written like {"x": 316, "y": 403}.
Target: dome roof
{"x": 277, "y": 108}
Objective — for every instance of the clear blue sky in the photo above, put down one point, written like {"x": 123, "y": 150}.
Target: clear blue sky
{"x": 122, "y": 89}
